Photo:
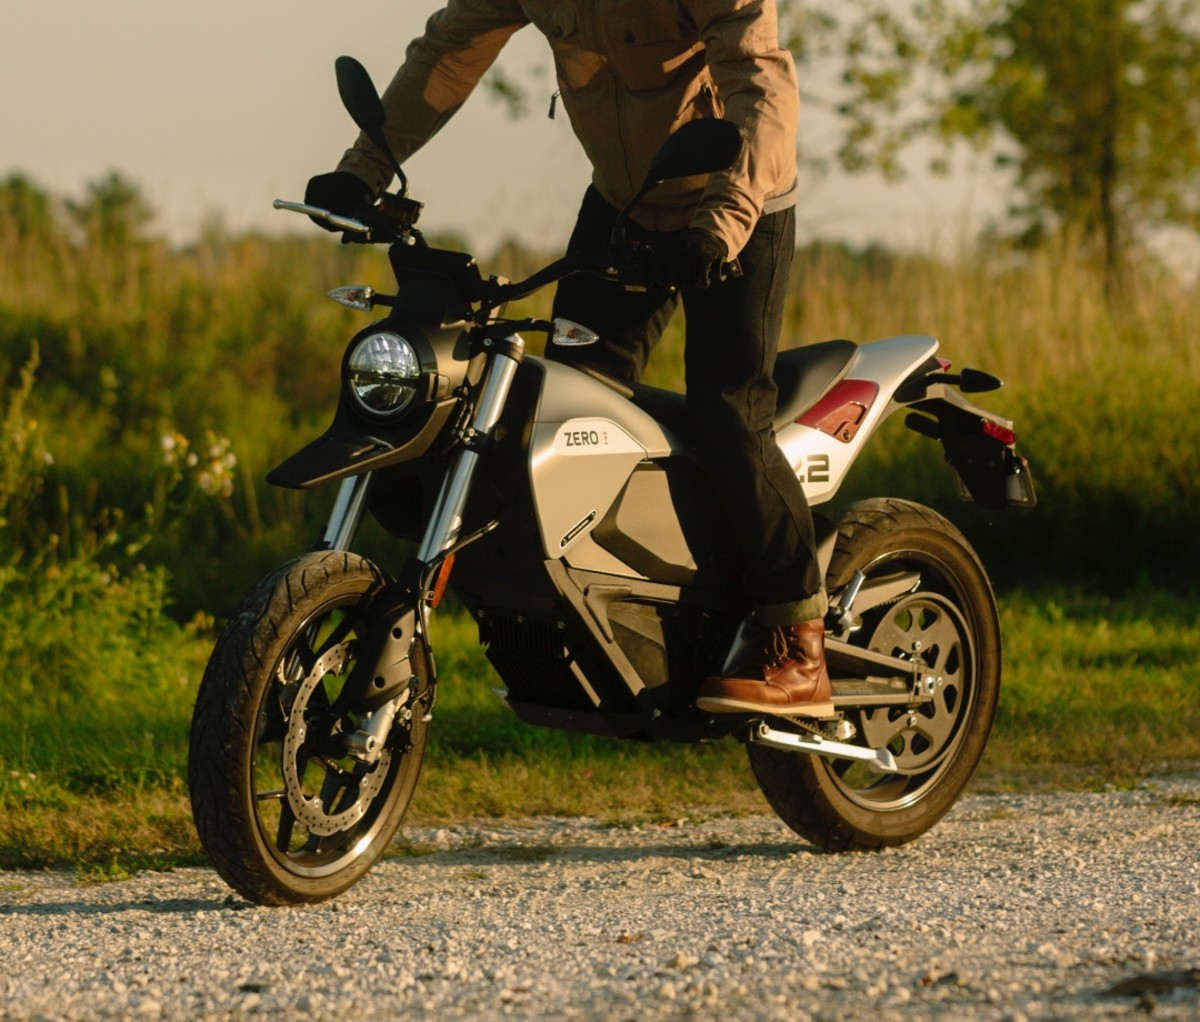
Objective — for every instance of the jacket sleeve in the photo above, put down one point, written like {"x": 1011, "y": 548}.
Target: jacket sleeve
{"x": 756, "y": 80}
{"x": 440, "y": 70}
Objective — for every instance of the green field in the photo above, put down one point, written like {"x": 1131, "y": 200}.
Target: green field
{"x": 1095, "y": 692}
{"x": 147, "y": 390}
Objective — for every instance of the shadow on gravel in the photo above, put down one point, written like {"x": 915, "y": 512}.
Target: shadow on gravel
{"x": 1149, "y": 983}
{"x": 481, "y": 854}
{"x": 165, "y": 906}
{"x": 500, "y": 854}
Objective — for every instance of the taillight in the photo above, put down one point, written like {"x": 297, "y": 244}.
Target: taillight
{"x": 997, "y": 432}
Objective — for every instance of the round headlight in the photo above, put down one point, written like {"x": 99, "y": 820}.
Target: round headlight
{"x": 382, "y": 374}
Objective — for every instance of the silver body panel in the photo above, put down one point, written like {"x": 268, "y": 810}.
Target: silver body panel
{"x": 587, "y": 439}
{"x": 570, "y": 394}
{"x": 822, "y": 461}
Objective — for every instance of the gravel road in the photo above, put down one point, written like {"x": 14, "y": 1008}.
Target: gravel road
{"x": 1022, "y": 906}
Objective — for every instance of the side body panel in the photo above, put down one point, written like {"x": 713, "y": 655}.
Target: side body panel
{"x": 585, "y": 443}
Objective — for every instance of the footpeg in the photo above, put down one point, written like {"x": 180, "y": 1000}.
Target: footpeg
{"x": 881, "y": 759}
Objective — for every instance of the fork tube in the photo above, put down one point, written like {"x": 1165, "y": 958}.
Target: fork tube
{"x": 446, "y": 520}
{"x": 348, "y": 510}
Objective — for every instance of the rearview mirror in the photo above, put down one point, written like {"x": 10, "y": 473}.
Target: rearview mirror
{"x": 362, "y": 102}
{"x": 698, "y": 147}
{"x": 359, "y": 95}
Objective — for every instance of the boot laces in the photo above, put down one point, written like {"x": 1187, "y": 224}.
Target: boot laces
{"x": 778, "y": 650}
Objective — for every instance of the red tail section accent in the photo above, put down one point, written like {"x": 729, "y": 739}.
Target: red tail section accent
{"x": 840, "y": 412}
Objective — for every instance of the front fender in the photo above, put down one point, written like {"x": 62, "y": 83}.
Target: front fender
{"x": 345, "y": 449}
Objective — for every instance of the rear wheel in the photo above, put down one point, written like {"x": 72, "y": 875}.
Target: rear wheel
{"x": 286, "y": 815}
{"x": 951, "y": 622}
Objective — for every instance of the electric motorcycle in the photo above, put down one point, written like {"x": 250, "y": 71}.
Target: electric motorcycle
{"x": 572, "y": 518}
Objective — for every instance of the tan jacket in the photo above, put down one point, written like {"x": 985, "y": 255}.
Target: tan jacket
{"x": 630, "y": 72}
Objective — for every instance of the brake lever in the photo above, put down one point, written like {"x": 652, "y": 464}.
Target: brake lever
{"x": 343, "y": 223}
{"x": 730, "y": 270}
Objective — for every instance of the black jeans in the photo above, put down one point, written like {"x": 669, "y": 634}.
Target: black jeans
{"x": 732, "y": 338}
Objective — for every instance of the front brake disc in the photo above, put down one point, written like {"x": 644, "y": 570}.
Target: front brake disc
{"x": 310, "y": 810}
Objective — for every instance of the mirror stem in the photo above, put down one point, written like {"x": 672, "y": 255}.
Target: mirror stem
{"x": 381, "y": 142}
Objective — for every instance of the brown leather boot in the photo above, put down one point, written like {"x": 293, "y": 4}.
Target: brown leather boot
{"x": 791, "y": 679}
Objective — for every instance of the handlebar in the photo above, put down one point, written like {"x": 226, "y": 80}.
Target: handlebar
{"x": 556, "y": 271}
{"x": 624, "y": 264}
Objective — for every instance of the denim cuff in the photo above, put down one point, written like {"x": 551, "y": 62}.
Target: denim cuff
{"x": 780, "y": 615}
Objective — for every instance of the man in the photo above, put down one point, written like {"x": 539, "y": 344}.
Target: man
{"x": 629, "y": 73}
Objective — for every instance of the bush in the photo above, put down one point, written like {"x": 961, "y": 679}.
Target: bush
{"x": 231, "y": 337}
{"x": 81, "y": 634}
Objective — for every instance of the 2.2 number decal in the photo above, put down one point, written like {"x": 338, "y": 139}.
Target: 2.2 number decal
{"x": 817, "y": 469}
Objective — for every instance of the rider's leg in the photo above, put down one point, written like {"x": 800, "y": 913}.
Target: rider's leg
{"x": 732, "y": 339}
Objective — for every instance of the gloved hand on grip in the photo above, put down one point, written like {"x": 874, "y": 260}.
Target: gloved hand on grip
{"x": 688, "y": 258}
{"x": 339, "y": 192}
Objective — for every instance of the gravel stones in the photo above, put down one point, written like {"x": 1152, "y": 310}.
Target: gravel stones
{"x": 1016, "y": 907}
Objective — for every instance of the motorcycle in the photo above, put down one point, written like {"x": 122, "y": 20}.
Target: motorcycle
{"x": 575, "y": 522}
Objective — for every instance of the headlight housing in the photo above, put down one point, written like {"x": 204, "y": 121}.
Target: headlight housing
{"x": 382, "y": 375}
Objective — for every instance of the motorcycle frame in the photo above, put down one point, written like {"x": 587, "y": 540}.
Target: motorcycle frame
{"x": 621, "y": 703}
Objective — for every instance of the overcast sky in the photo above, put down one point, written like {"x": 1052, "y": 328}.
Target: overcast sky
{"x": 223, "y": 105}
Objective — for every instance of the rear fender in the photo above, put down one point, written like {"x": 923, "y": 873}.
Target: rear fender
{"x": 979, "y": 446}
{"x": 824, "y": 441}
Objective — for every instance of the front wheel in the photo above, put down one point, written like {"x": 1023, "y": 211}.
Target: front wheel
{"x": 951, "y": 622}
{"x": 286, "y": 815}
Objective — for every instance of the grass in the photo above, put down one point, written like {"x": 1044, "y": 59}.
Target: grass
{"x": 109, "y": 540}
{"x": 232, "y": 337}
{"x": 1097, "y": 692}
{"x": 1094, "y": 681}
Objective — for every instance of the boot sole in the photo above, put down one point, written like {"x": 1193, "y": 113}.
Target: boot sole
{"x": 723, "y": 704}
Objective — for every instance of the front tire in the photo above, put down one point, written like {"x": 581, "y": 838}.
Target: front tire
{"x": 286, "y": 816}
{"x": 842, "y": 805}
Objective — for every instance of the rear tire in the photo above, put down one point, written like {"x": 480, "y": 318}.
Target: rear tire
{"x": 841, "y": 805}
{"x": 286, "y": 816}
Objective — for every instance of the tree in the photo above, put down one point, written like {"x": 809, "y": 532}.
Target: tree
{"x": 25, "y": 207}
{"x": 114, "y": 212}
{"x": 1093, "y": 104}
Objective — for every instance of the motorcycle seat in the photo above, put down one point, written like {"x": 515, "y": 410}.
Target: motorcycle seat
{"x": 802, "y": 375}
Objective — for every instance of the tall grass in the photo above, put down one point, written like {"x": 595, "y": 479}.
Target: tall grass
{"x": 169, "y": 381}
{"x": 1103, "y": 394}
{"x": 232, "y": 337}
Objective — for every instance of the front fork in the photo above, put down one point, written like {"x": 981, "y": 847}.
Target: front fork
{"x": 379, "y": 681}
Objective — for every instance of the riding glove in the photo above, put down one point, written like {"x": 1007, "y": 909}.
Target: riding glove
{"x": 688, "y": 258}
{"x": 339, "y": 192}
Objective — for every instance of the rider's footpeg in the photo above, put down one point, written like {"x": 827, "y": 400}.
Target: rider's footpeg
{"x": 789, "y": 741}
